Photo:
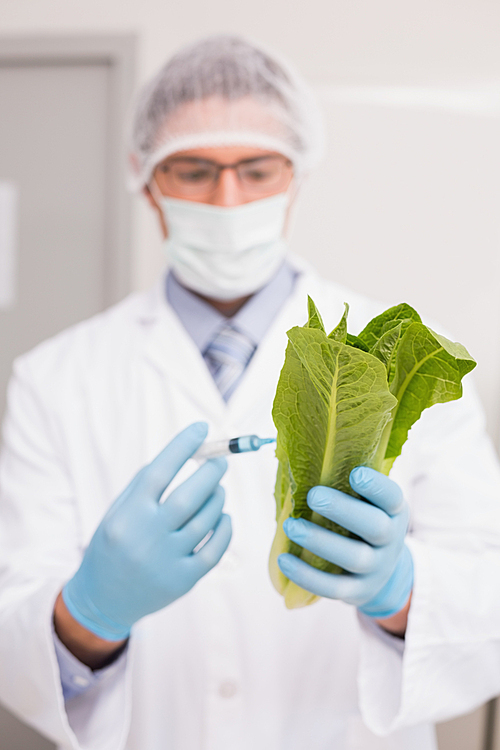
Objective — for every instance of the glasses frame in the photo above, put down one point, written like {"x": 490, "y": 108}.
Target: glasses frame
{"x": 212, "y": 186}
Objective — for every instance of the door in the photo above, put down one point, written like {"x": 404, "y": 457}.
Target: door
{"x": 59, "y": 127}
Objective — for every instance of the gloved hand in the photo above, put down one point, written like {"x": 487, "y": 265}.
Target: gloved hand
{"x": 140, "y": 558}
{"x": 380, "y": 564}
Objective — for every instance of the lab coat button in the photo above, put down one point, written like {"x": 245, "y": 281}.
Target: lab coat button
{"x": 228, "y": 689}
{"x": 80, "y": 681}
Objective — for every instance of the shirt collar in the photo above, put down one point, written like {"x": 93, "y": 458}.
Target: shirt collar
{"x": 203, "y": 322}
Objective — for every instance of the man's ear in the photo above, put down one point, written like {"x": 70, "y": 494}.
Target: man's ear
{"x": 157, "y": 209}
{"x": 149, "y": 197}
{"x": 294, "y": 188}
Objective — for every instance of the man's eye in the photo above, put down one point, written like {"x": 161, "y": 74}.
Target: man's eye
{"x": 195, "y": 175}
{"x": 258, "y": 175}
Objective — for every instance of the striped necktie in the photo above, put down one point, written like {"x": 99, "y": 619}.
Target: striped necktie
{"x": 227, "y": 357}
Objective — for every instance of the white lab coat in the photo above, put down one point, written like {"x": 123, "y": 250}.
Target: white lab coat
{"x": 227, "y": 667}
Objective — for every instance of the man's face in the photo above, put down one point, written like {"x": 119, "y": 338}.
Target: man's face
{"x": 220, "y": 176}
{"x": 224, "y": 175}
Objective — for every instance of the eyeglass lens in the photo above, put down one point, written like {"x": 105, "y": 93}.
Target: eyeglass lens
{"x": 200, "y": 176}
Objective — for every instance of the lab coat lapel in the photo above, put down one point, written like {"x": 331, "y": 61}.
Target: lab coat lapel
{"x": 169, "y": 348}
{"x": 261, "y": 376}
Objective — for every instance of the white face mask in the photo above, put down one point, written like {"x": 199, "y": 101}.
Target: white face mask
{"x": 225, "y": 252}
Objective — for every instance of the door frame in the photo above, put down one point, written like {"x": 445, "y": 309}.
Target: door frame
{"x": 118, "y": 53}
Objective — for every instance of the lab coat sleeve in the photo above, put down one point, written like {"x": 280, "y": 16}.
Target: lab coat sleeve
{"x": 39, "y": 550}
{"x": 77, "y": 678}
{"x": 450, "y": 662}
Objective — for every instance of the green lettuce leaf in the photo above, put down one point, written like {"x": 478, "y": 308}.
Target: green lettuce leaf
{"x": 314, "y": 320}
{"x": 428, "y": 369}
{"x": 344, "y": 401}
{"x": 387, "y": 320}
{"x": 340, "y": 332}
{"x": 331, "y": 407}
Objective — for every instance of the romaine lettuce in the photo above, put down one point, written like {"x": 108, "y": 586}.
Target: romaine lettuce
{"x": 344, "y": 401}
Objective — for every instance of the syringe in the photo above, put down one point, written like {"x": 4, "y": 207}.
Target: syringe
{"x": 243, "y": 444}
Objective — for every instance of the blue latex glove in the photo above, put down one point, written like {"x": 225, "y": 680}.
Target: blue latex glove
{"x": 379, "y": 563}
{"x": 140, "y": 558}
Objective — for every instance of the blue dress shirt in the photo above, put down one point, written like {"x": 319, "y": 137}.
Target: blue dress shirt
{"x": 203, "y": 322}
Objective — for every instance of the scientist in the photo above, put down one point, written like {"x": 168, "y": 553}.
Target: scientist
{"x": 112, "y": 635}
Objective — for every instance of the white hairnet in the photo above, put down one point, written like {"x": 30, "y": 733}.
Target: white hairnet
{"x": 223, "y": 91}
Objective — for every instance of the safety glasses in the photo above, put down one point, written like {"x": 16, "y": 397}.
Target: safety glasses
{"x": 198, "y": 178}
